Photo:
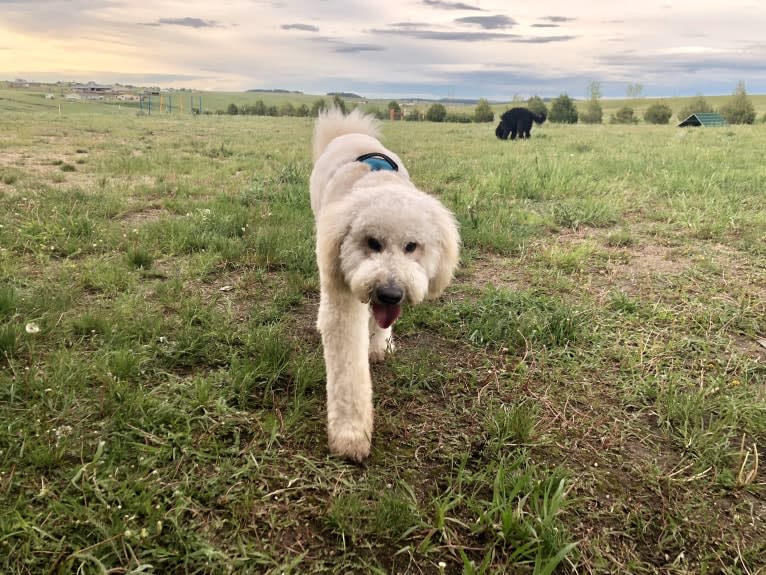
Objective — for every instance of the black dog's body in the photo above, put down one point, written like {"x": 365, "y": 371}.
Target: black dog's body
{"x": 517, "y": 122}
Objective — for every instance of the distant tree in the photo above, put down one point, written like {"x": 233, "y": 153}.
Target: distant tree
{"x": 658, "y": 114}
{"x": 232, "y": 109}
{"x": 458, "y": 118}
{"x": 393, "y": 106}
{"x": 257, "y": 109}
{"x": 302, "y": 111}
{"x": 483, "y": 112}
{"x": 272, "y": 111}
{"x": 697, "y": 105}
{"x": 338, "y": 102}
{"x": 413, "y": 115}
{"x": 623, "y": 116}
{"x": 634, "y": 90}
{"x": 739, "y": 110}
{"x": 563, "y": 111}
{"x": 536, "y": 105}
{"x": 436, "y": 113}
{"x": 317, "y": 107}
{"x": 593, "y": 113}
{"x": 287, "y": 109}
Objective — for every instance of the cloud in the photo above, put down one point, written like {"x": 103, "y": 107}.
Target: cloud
{"x": 357, "y": 48}
{"x": 687, "y": 61}
{"x": 187, "y": 21}
{"x": 544, "y": 39}
{"x": 458, "y": 36}
{"x": 450, "y": 5}
{"x": 558, "y": 19}
{"x": 553, "y": 21}
{"x": 424, "y": 34}
{"x": 303, "y": 27}
{"x": 498, "y": 22}
{"x": 409, "y": 25}
{"x": 497, "y": 83}
{"x": 347, "y": 47}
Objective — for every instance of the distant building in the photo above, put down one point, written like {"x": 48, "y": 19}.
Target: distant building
{"x": 93, "y": 88}
{"x": 704, "y": 119}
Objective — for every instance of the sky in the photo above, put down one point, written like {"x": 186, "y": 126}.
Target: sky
{"x": 495, "y": 49}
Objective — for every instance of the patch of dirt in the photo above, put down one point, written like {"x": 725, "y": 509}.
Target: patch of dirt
{"x": 635, "y": 266}
{"x": 652, "y": 259}
{"x": 47, "y": 165}
{"x": 228, "y": 294}
{"x": 499, "y": 271}
{"x": 140, "y": 216}
{"x": 13, "y": 159}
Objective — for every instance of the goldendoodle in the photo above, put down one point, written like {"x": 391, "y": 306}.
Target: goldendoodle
{"x": 381, "y": 243}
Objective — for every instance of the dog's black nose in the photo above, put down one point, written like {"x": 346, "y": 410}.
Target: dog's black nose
{"x": 389, "y": 295}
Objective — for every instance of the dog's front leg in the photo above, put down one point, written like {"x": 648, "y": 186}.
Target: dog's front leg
{"x": 343, "y": 324}
{"x": 381, "y": 340}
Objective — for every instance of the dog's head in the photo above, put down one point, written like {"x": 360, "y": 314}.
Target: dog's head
{"x": 501, "y": 132}
{"x": 389, "y": 244}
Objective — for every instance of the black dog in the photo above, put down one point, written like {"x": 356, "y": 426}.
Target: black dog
{"x": 517, "y": 122}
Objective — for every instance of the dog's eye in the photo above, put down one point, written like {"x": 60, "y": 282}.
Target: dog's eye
{"x": 410, "y": 247}
{"x": 374, "y": 245}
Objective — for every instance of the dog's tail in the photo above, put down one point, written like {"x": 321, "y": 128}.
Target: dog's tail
{"x": 539, "y": 118}
{"x": 333, "y": 123}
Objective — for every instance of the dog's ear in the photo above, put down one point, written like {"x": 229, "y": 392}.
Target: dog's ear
{"x": 449, "y": 247}
{"x": 332, "y": 227}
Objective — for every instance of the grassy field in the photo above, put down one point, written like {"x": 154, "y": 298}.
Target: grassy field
{"x": 33, "y": 100}
{"x": 589, "y": 396}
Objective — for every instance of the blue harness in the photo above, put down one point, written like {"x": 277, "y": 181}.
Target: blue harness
{"x": 378, "y": 161}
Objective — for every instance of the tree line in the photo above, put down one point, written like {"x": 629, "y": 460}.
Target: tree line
{"x": 562, "y": 110}
{"x": 738, "y": 110}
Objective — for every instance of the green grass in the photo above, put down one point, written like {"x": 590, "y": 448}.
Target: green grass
{"x": 587, "y": 397}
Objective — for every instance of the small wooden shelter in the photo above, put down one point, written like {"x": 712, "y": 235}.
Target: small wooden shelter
{"x": 705, "y": 119}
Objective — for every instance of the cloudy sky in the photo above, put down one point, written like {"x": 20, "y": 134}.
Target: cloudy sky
{"x": 392, "y": 48}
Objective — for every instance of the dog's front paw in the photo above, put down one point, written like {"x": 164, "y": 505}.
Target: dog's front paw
{"x": 377, "y": 355}
{"x": 380, "y": 347}
{"x": 350, "y": 442}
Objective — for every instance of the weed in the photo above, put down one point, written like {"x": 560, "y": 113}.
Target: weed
{"x": 139, "y": 259}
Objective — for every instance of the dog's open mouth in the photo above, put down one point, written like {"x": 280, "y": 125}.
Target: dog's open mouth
{"x": 385, "y": 314}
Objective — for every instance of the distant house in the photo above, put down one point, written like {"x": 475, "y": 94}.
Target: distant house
{"x": 93, "y": 88}
{"x": 704, "y": 119}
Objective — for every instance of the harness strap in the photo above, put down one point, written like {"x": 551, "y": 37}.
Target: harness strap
{"x": 378, "y": 161}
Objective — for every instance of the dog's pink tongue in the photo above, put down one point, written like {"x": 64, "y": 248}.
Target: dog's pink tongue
{"x": 385, "y": 315}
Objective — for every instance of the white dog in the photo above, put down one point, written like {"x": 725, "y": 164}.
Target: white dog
{"x": 381, "y": 243}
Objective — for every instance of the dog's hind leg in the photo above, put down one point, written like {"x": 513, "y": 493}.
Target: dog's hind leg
{"x": 343, "y": 322}
{"x": 381, "y": 340}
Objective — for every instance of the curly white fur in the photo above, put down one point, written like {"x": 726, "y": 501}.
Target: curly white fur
{"x": 381, "y": 243}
